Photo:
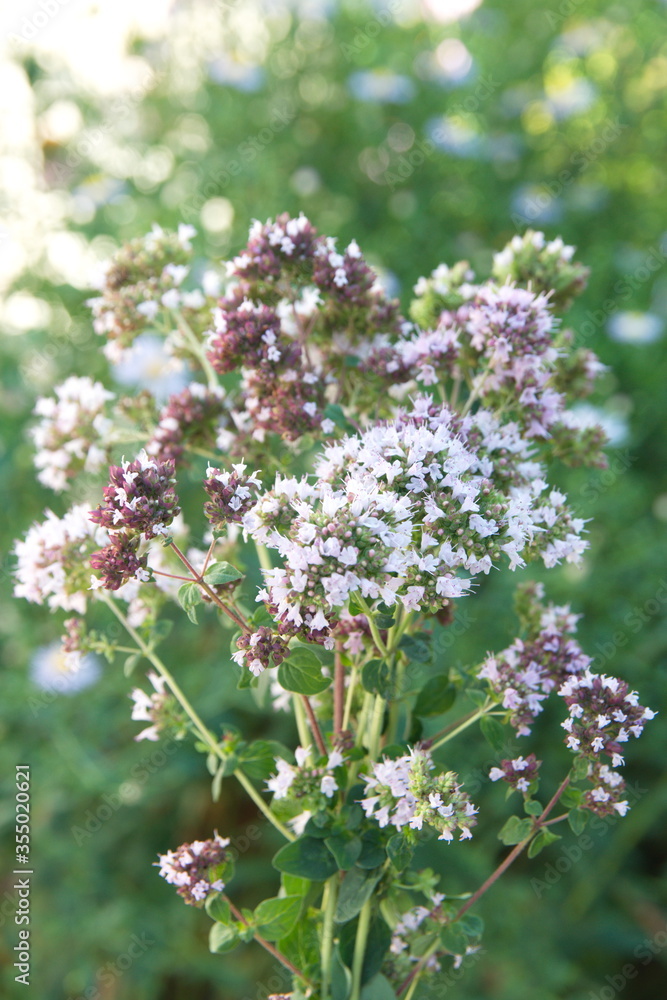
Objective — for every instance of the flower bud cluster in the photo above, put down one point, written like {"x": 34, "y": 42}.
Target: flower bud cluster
{"x": 524, "y": 674}
{"x": 141, "y": 280}
{"x": 190, "y": 418}
{"x": 544, "y": 266}
{"x": 196, "y": 869}
{"x": 232, "y": 494}
{"x": 405, "y": 793}
{"x": 283, "y": 393}
{"x": 519, "y": 773}
{"x": 69, "y": 435}
{"x": 53, "y": 558}
{"x": 445, "y": 289}
{"x": 260, "y": 650}
{"x": 140, "y": 497}
{"x": 119, "y": 562}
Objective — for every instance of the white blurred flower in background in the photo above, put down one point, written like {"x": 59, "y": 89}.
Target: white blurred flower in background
{"x": 631, "y": 327}
{"x": 148, "y": 363}
{"x": 52, "y": 669}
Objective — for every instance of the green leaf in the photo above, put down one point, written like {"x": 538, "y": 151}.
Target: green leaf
{"x": 341, "y": 978}
{"x": 454, "y": 939}
{"x": 379, "y": 988}
{"x": 274, "y": 918}
{"x": 436, "y": 697}
{"x": 399, "y": 851}
{"x": 383, "y": 621}
{"x": 376, "y": 678}
{"x": 131, "y": 663}
{"x": 471, "y": 924}
{"x": 416, "y": 649}
{"x": 222, "y": 938}
{"x": 356, "y": 888}
{"x": 345, "y": 850}
{"x": 218, "y": 909}
{"x": 335, "y": 412}
{"x": 221, "y": 573}
{"x": 308, "y": 858}
{"x": 515, "y": 830}
{"x": 494, "y": 734}
{"x": 293, "y": 885}
{"x": 377, "y": 945}
{"x": 580, "y": 768}
{"x": 302, "y": 673}
{"x": 258, "y": 759}
{"x": 372, "y": 850}
{"x": 478, "y": 698}
{"x": 302, "y": 945}
{"x": 533, "y": 807}
{"x": 159, "y": 631}
{"x": 189, "y": 596}
{"x": 542, "y": 840}
{"x": 577, "y": 818}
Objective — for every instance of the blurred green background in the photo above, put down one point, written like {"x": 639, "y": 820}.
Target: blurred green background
{"x": 429, "y": 132}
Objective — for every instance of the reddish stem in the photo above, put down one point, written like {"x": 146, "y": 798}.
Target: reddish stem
{"x": 314, "y": 725}
{"x": 266, "y": 944}
{"x": 199, "y": 580}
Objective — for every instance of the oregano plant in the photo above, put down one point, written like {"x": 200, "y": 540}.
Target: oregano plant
{"x": 376, "y": 467}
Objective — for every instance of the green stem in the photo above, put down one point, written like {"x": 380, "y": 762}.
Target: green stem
{"x": 412, "y": 981}
{"x": 204, "y": 733}
{"x": 469, "y": 721}
{"x": 377, "y": 638}
{"x": 360, "y": 949}
{"x": 363, "y": 718}
{"x": 301, "y": 723}
{"x": 261, "y": 804}
{"x": 376, "y": 727}
{"x": 329, "y": 908}
{"x": 264, "y": 556}
{"x": 196, "y": 348}
{"x": 350, "y": 695}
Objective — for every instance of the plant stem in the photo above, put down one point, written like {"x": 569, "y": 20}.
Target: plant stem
{"x": 338, "y": 690}
{"x": 196, "y": 348}
{"x": 204, "y": 733}
{"x": 363, "y": 718}
{"x": 261, "y": 804}
{"x": 377, "y": 638}
{"x": 301, "y": 724}
{"x": 412, "y": 980}
{"x": 314, "y": 725}
{"x": 376, "y": 727}
{"x": 468, "y": 720}
{"x": 329, "y": 908}
{"x": 200, "y": 581}
{"x": 515, "y": 852}
{"x": 266, "y": 945}
{"x": 264, "y": 556}
{"x": 360, "y": 949}
{"x": 350, "y": 695}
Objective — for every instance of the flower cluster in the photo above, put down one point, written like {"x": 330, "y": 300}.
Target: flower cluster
{"x": 308, "y": 785}
{"x": 196, "y": 869}
{"x": 52, "y": 560}
{"x": 519, "y": 773}
{"x": 397, "y": 510}
{"x": 446, "y": 288}
{"x": 140, "y": 281}
{"x": 545, "y": 266}
{"x": 405, "y": 793}
{"x": 524, "y": 674}
{"x": 68, "y": 436}
{"x": 140, "y": 497}
{"x": 159, "y": 708}
{"x": 232, "y": 494}
{"x": 604, "y": 713}
{"x": 190, "y": 418}
{"x": 119, "y": 562}
{"x": 411, "y": 926}
{"x": 260, "y": 649}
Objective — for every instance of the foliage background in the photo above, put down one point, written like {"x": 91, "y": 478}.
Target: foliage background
{"x": 551, "y": 115}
